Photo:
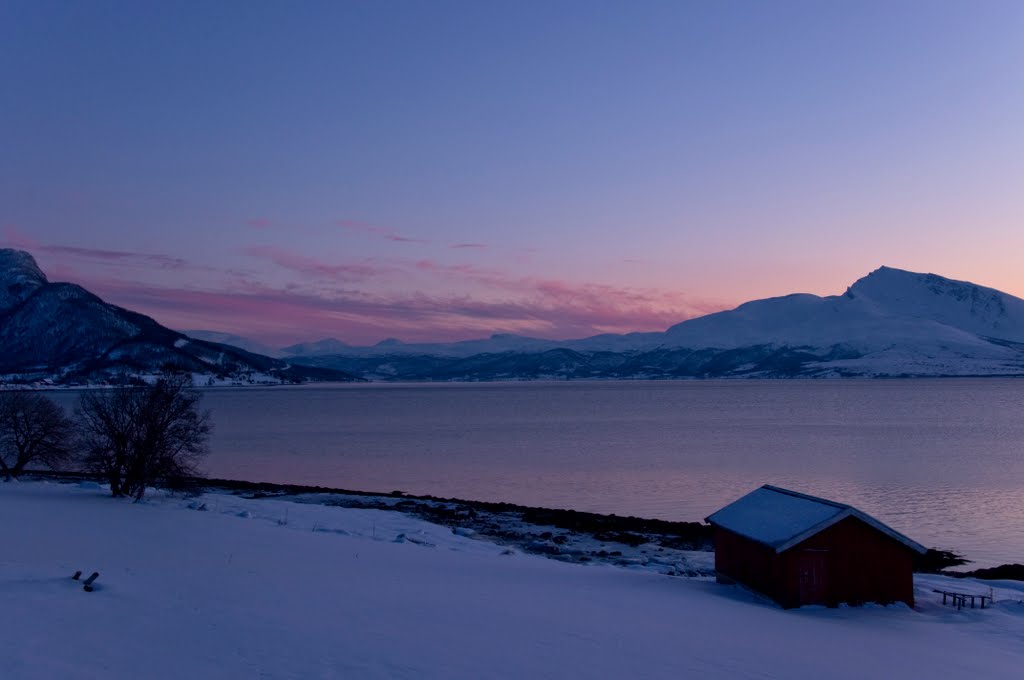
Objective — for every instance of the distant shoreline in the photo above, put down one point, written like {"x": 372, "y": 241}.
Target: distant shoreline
{"x": 355, "y": 384}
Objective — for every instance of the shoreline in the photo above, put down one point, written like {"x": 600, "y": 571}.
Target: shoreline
{"x": 670, "y": 548}
{"x": 663, "y": 546}
{"x": 36, "y": 385}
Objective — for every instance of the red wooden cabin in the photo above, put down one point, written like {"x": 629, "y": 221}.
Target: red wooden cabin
{"x": 799, "y": 549}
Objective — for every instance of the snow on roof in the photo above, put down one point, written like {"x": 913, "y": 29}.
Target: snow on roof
{"x": 780, "y": 518}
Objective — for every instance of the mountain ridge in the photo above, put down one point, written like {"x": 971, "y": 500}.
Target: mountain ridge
{"x": 891, "y": 322}
{"x": 62, "y": 333}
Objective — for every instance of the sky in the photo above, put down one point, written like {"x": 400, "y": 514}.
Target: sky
{"x": 439, "y": 170}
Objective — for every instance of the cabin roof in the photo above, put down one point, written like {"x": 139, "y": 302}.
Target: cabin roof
{"x": 780, "y": 518}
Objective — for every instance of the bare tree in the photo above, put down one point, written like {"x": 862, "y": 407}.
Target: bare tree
{"x": 33, "y": 429}
{"x": 143, "y": 435}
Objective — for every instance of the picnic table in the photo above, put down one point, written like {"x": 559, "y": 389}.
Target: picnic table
{"x": 959, "y": 600}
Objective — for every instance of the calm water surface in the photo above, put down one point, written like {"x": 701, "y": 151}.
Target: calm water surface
{"x": 940, "y": 460}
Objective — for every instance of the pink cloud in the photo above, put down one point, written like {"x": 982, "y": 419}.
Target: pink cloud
{"x": 544, "y": 308}
{"x": 259, "y": 223}
{"x": 457, "y": 246}
{"x": 380, "y": 232}
{"x": 314, "y": 267}
{"x": 366, "y": 300}
{"x": 96, "y": 254}
{"x": 468, "y": 272}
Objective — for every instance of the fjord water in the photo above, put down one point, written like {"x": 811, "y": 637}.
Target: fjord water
{"x": 941, "y": 460}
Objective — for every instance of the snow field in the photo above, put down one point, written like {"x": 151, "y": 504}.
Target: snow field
{"x": 274, "y": 589}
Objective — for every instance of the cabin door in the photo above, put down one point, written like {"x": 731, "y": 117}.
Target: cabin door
{"x": 812, "y": 570}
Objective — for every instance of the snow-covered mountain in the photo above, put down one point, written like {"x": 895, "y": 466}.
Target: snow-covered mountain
{"x": 889, "y": 323}
{"x": 885, "y": 306}
{"x": 63, "y": 333}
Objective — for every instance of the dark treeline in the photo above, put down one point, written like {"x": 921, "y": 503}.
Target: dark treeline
{"x": 134, "y": 435}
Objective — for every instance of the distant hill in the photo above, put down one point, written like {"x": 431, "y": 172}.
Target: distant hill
{"x": 238, "y": 341}
{"x": 61, "y": 332}
{"x": 890, "y": 323}
{"x": 499, "y": 342}
{"x": 325, "y": 346}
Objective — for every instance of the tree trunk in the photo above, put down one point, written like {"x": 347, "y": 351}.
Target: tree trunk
{"x": 115, "y": 485}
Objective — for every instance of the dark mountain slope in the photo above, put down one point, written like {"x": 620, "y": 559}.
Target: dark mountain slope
{"x": 62, "y": 332}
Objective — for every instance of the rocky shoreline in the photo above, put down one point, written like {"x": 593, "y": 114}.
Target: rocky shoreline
{"x": 671, "y": 548}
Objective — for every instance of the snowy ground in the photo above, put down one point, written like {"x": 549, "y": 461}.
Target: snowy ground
{"x": 276, "y": 589}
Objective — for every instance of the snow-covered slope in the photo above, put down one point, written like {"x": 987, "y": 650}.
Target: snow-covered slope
{"x": 272, "y": 589}
{"x": 985, "y": 312}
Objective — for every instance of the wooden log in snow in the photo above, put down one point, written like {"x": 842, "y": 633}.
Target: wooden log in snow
{"x": 89, "y": 581}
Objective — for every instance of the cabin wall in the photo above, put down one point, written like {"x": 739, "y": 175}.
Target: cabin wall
{"x": 864, "y": 565}
{"x": 744, "y": 561}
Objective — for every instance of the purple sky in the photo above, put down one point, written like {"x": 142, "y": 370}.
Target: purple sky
{"x": 445, "y": 170}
